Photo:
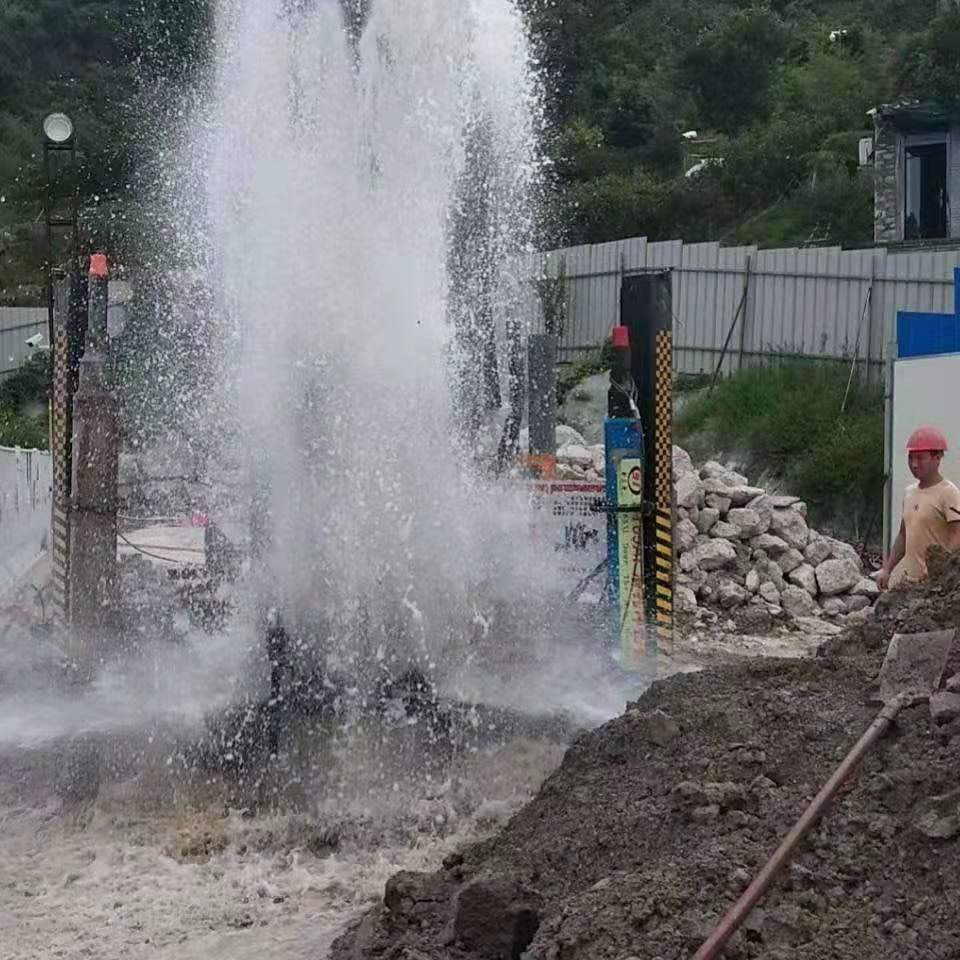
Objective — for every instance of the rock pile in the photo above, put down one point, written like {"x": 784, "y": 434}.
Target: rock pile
{"x": 744, "y": 555}
{"x": 752, "y": 555}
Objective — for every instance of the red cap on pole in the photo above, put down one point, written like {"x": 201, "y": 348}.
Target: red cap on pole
{"x": 98, "y": 265}
{"x": 621, "y": 336}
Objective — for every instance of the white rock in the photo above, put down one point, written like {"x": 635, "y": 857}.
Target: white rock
{"x": 724, "y": 530}
{"x": 833, "y": 607}
{"x": 685, "y": 600}
{"x": 713, "y": 555}
{"x": 689, "y": 491}
{"x": 742, "y": 494}
{"x": 781, "y": 501}
{"x": 685, "y": 535}
{"x": 687, "y": 562}
{"x": 770, "y": 593}
{"x": 866, "y": 588}
{"x": 800, "y": 508}
{"x": 789, "y": 561}
{"x": 771, "y": 545}
{"x": 576, "y": 454}
{"x": 712, "y": 469}
{"x": 681, "y": 462}
{"x": 855, "y": 603}
{"x": 817, "y": 551}
{"x": 567, "y": 435}
{"x": 731, "y": 595}
{"x": 805, "y": 576}
{"x": 567, "y": 471}
{"x": 706, "y": 518}
{"x": 817, "y": 627}
{"x": 751, "y": 523}
{"x": 798, "y": 602}
{"x": 763, "y": 506}
{"x": 790, "y": 526}
{"x": 718, "y": 503}
{"x": 599, "y": 458}
{"x": 739, "y": 494}
{"x": 774, "y": 609}
{"x": 732, "y": 479}
{"x": 837, "y": 576}
{"x": 753, "y": 581}
{"x": 859, "y": 617}
{"x": 843, "y": 551}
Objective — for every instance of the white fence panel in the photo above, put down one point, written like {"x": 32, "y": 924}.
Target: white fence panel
{"x": 819, "y": 302}
{"x": 26, "y": 480}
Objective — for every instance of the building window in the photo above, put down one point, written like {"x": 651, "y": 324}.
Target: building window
{"x": 925, "y": 191}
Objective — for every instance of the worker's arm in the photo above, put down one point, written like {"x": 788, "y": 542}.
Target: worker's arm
{"x": 953, "y": 535}
{"x": 951, "y": 513}
{"x": 894, "y": 557}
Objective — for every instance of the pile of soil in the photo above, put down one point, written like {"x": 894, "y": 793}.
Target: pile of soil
{"x": 656, "y": 822}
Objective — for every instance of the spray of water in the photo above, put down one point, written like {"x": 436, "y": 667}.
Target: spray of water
{"x": 352, "y": 187}
{"x": 367, "y": 186}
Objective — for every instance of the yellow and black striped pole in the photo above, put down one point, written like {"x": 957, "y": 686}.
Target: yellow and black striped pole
{"x": 646, "y": 309}
{"x": 663, "y": 454}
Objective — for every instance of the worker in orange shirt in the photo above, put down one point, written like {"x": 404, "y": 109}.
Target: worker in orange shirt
{"x": 931, "y": 510}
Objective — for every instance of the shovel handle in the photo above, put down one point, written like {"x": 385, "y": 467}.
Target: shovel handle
{"x": 748, "y": 899}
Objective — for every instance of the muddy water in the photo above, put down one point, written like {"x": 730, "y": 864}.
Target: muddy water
{"x": 149, "y": 867}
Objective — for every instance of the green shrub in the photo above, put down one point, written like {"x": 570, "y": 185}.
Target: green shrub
{"x": 786, "y": 420}
{"x": 19, "y": 391}
{"x": 20, "y": 430}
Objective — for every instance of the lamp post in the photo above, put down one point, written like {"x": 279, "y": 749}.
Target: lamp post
{"x": 60, "y": 214}
{"x": 59, "y": 151}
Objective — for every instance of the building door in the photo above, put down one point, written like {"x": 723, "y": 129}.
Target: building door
{"x": 925, "y": 191}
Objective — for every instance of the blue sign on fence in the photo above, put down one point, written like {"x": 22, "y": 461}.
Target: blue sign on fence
{"x": 929, "y": 334}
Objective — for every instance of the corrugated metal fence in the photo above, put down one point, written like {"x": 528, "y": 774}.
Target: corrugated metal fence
{"x": 819, "y": 302}
{"x": 17, "y": 325}
{"x": 26, "y": 479}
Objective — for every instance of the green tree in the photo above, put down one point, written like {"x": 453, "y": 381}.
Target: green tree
{"x": 732, "y": 66}
{"x": 930, "y": 62}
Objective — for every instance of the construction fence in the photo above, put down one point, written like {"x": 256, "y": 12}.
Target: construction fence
{"x": 26, "y": 481}
{"x": 737, "y": 306}
{"x": 17, "y": 325}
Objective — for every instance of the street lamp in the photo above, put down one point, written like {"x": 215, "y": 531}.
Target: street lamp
{"x": 59, "y": 151}
{"x": 58, "y": 128}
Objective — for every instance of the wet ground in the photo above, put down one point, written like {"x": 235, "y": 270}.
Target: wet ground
{"x": 117, "y": 842}
{"x": 150, "y": 868}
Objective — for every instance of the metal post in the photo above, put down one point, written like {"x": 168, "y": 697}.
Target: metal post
{"x": 647, "y": 311}
{"x": 746, "y": 311}
{"x": 542, "y": 392}
{"x": 871, "y": 314}
{"x": 93, "y": 501}
{"x": 888, "y": 400}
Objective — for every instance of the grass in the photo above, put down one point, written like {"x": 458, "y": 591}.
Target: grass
{"x": 785, "y": 420}
{"x": 20, "y": 391}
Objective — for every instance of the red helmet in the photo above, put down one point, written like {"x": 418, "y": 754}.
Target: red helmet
{"x": 927, "y": 439}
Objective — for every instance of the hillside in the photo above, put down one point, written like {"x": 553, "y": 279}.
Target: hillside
{"x": 779, "y": 90}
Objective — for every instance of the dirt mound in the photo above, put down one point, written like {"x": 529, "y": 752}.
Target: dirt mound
{"x": 655, "y": 822}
